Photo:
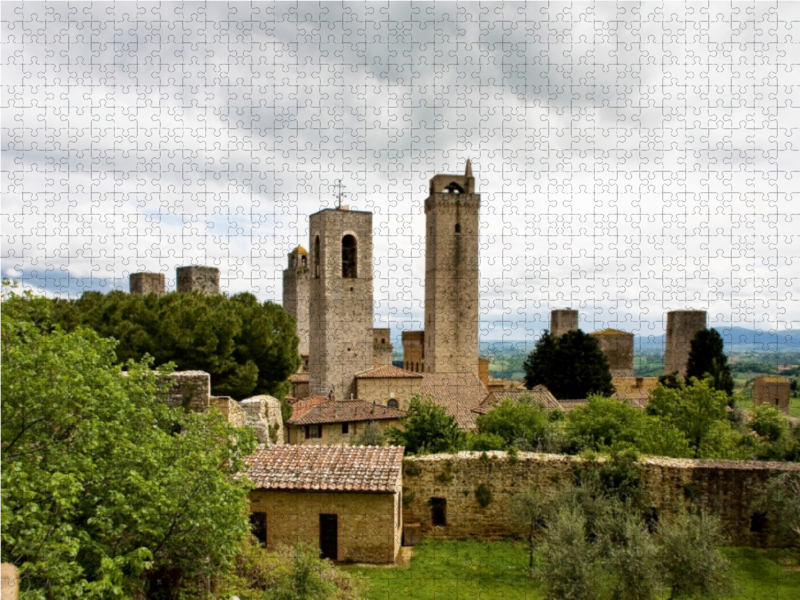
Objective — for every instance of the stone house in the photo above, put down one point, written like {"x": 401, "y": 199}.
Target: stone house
{"x": 345, "y": 500}
{"x": 388, "y": 385}
{"x": 319, "y": 421}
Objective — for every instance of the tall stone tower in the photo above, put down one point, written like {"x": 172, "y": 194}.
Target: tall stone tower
{"x": 147, "y": 283}
{"x": 562, "y": 321}
{"x": 340, "y": 307}
{"x": 451, "y": 274}
{"x": 197, "y": 278}
{"x": 682, "y": 325}
{"x": 295, "y": 294}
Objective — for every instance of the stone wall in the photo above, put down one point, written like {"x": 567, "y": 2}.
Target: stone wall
{"x": 261, "y": 412}
{"x": 382, "y": 390}
{"x": 332, "y": 432}
{"x": 721, "y": 487}
{"x": 191, "y": 389}
{"x": 230, "y": 409}
{"x": 773, "y": 390}
{"x": 414, "y": 351}
{"x": 369, "y": 529}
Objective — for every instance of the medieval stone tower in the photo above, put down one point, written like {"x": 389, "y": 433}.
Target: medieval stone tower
{"x": 340, "y": 307}
{"x": 142, "y": 284}
{"x": 682, "y": 325}
{"x": 451, "y": 274}
{"x": 296, "y": 280}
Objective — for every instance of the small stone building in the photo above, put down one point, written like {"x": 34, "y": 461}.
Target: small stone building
{"x": 346, "y": 500}
{"x": 319, "y": 421}
{"x": 772, "y": 390}
{"x": 388, "y": 385}
{"x": 300, "y": 385}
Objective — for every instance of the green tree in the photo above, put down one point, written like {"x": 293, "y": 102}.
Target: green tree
{"x": 769, "y": 422}
{"x": 691, "y": 565}
{"x": 427, "y": 428}
{"x": 515, "y": 421}
{"x": 100, "y": 493}
{"x": 371, "y": 436}
{"x": 482, "y": 442}
{"x": 779, "y": 499}
{"x": 246, "y": 346}
{"x": 528, "y": 511}
{"x": 570, "y": 366}
{"x": 707, "y": 359}
{"x": 698, "y": 411}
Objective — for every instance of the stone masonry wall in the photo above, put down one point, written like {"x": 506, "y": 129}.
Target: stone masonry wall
{"x": 192, "y": 389}
{"x": 230, "y": 409}
{"x": 381, "y": 390}
{"x": 261, "y": 412}
{"x": 720, "y": 487}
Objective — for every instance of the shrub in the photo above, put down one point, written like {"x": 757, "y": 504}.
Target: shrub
{"x": 483, "y": 495}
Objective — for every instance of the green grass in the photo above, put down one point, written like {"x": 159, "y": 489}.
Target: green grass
{"x": 445, "y": 569}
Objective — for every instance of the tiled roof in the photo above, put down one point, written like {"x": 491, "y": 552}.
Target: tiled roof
{"x": 300, "y": 407}
{"x": 568, "y": 405}
{"x": 457, "y": 393}
{"x": 540, "y": 393}
{"x": 344, "y": 412}
{"x": 326, "y": 468}
{"x": 300, "y": 378}
{"x": 610, "y": 332}
{"x": 387, "y": 372}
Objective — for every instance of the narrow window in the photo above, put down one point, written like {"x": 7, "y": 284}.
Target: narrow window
{"x": 458, "y": 227}
{"x": 758, "y": 522}
{"x": 349, "y": 248}
{"x": 392, "y": 403}
{"x": 316, "y": 257}
{"x": 439, "y": 511}
{"x": 651, "y": 519}
{"x": 258, "y": 526}
{"x": 345, "y": 427}
{"x": 304, "y": 260}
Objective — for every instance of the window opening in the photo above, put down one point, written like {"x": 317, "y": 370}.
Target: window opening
{"x": 349, "y": 248}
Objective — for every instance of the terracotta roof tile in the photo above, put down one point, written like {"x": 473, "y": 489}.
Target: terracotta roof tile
{"x": 387, "y": 372}
{"x": 457, "y": 393}
{"x": 344, "y": 412}
{"x": 326, "y": 468}
{"x": 540, "y": 393}
{"x": 300, "y": 407}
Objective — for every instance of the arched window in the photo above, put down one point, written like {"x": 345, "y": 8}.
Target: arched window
{"x": 349, "y": 266}
{"x": 304, "y": 260}
{"x": 458, "y": 227}
{"x": 316, "y": 257}
{"x": 392, "y": 403}
{"x": 454, "y": 188}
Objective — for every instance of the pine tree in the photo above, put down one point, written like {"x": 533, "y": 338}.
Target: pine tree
{"x": 707, "y": 359}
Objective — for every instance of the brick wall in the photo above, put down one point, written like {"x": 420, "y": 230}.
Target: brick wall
{"x": 720, "y": 487}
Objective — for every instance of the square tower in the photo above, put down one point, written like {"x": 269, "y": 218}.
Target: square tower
{"x": 340, "y": 307}
{"x": 451, "y": 274}
{"x": 295, "y": 294}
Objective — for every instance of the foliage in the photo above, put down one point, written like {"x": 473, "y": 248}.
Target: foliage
{"x": 707, "y": 359}
{"x": 246, "y": 346}
{"x": 371, "y": 436}
{"x": 514, "y": 421}
{"x": 570, "y": 366}
{"x": 485, "y": 441}
{"x": 100, "y": 493}
{"x": 528, "y": 511}
{"x": 699, "y": 412}
{"x": 779, "y": 499}
{"x": 769, "y": 422}
{"x": 689, "y": 560}
{"x": 427, "y": 428}
{"x": 483, "y": 495}
{"x": 289, "y": 573}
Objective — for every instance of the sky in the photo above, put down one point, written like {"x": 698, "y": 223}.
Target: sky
{"x": 632, "y": 158}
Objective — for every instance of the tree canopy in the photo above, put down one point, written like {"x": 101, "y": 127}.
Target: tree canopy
{"x": 105, "y": 490}
{"x": 707, "y": 359}
{"x": 248, "y": 347}
{"x": 570, "y": 366}
{"x": 427, "y": 428}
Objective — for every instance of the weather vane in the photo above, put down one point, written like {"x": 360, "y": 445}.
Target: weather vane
{"x": 339, "y": 193}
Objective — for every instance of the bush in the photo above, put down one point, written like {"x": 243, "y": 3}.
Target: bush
{"x": 427, "y": 428}
{"x": 485, "y": 441}
{"x": 371, "y": 436}
{"x": 514, "y": 421}
{"x": 483, "y": 495}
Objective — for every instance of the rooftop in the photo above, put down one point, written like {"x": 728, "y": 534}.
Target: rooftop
{"x": 346, "y": 411}
{"x": 610, "y": 332}
{"x": 387, "y": 372}
{"x": 457, "y": 393}
{"x": 299, "y": 378}
{"x": 539, "y": 393}
{"x": 326, "y": 468}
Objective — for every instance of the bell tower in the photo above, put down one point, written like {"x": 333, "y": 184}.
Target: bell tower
{"x": 451, "y": 274}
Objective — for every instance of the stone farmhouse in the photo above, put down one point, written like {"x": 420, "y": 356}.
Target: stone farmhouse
{"x": 318, "y": 421}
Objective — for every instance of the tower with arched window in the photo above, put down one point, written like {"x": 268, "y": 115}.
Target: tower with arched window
{"x": 340, "y": 303}
{"x": 295, "y": 294}
{"x": 451, "y": 274}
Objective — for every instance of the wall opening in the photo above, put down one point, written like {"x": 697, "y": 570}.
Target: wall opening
{"x": 349, "y": 248}
{"x": 258, "y": 526}
{"x": 758, "y": 522}
{"x": 453, "y": 188}
{"x": 316, "y": 257}
{"x": 392, "y": 403}
{"x": 345, "y": 427}
{"x": 304, "y": 260}
{"x": 458, "y": 227}
{"x": 438, "y": 511}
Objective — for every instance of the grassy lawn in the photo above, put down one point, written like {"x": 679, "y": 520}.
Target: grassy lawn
{"x": 443, "y": 569}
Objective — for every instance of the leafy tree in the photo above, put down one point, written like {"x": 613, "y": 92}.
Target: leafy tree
{"x": 246, "y": 346}
{"x": 570, "y": 366}
{"x": 692, "y": 566}
{"x": 371, "y": 436}
{"x": 100, "y": 494}
{"x": 514, "y": 421}
{"x": 769, "y": 422}
{"x": 481, "y": 442}
{"x": 707, "y": 359}
{"x": 427, "y": 428}
{"x": 779, "y": 499}
{"x": 697, "y": 410}
{"x": 528, "y": 511}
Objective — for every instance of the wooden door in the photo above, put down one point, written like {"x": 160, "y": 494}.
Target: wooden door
{"x": 329, "y": 536}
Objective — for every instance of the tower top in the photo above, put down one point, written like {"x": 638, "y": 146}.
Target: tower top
{"x": 454, "y": 184}
{"x": 468, "y": 172}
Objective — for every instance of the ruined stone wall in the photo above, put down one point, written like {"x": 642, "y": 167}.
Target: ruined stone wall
{"x": 382, "y": 390}
{"x": 191, "y": 389}
{"x": 682, "y": 325}
{"x": 772, "y": 390}
{"x": 720, "y": 487}
{"x": 369, "y": 530}
{"x": 260, "y": 413}
{"x": 230, "y": 409}
{"x": 562, "y": 321}
{"x": 142, "y": 284}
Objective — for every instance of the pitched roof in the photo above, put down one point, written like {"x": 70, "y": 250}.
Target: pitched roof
{"x": 457, "y": 393}
{"x": 540, "y": 393}
{"x": 300, "y": 407}
{"x": 387, "y": 372}
{"x": 344, "y": 412}
{"x": 326, "y": 468}
{"x": 300, "y": 378}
